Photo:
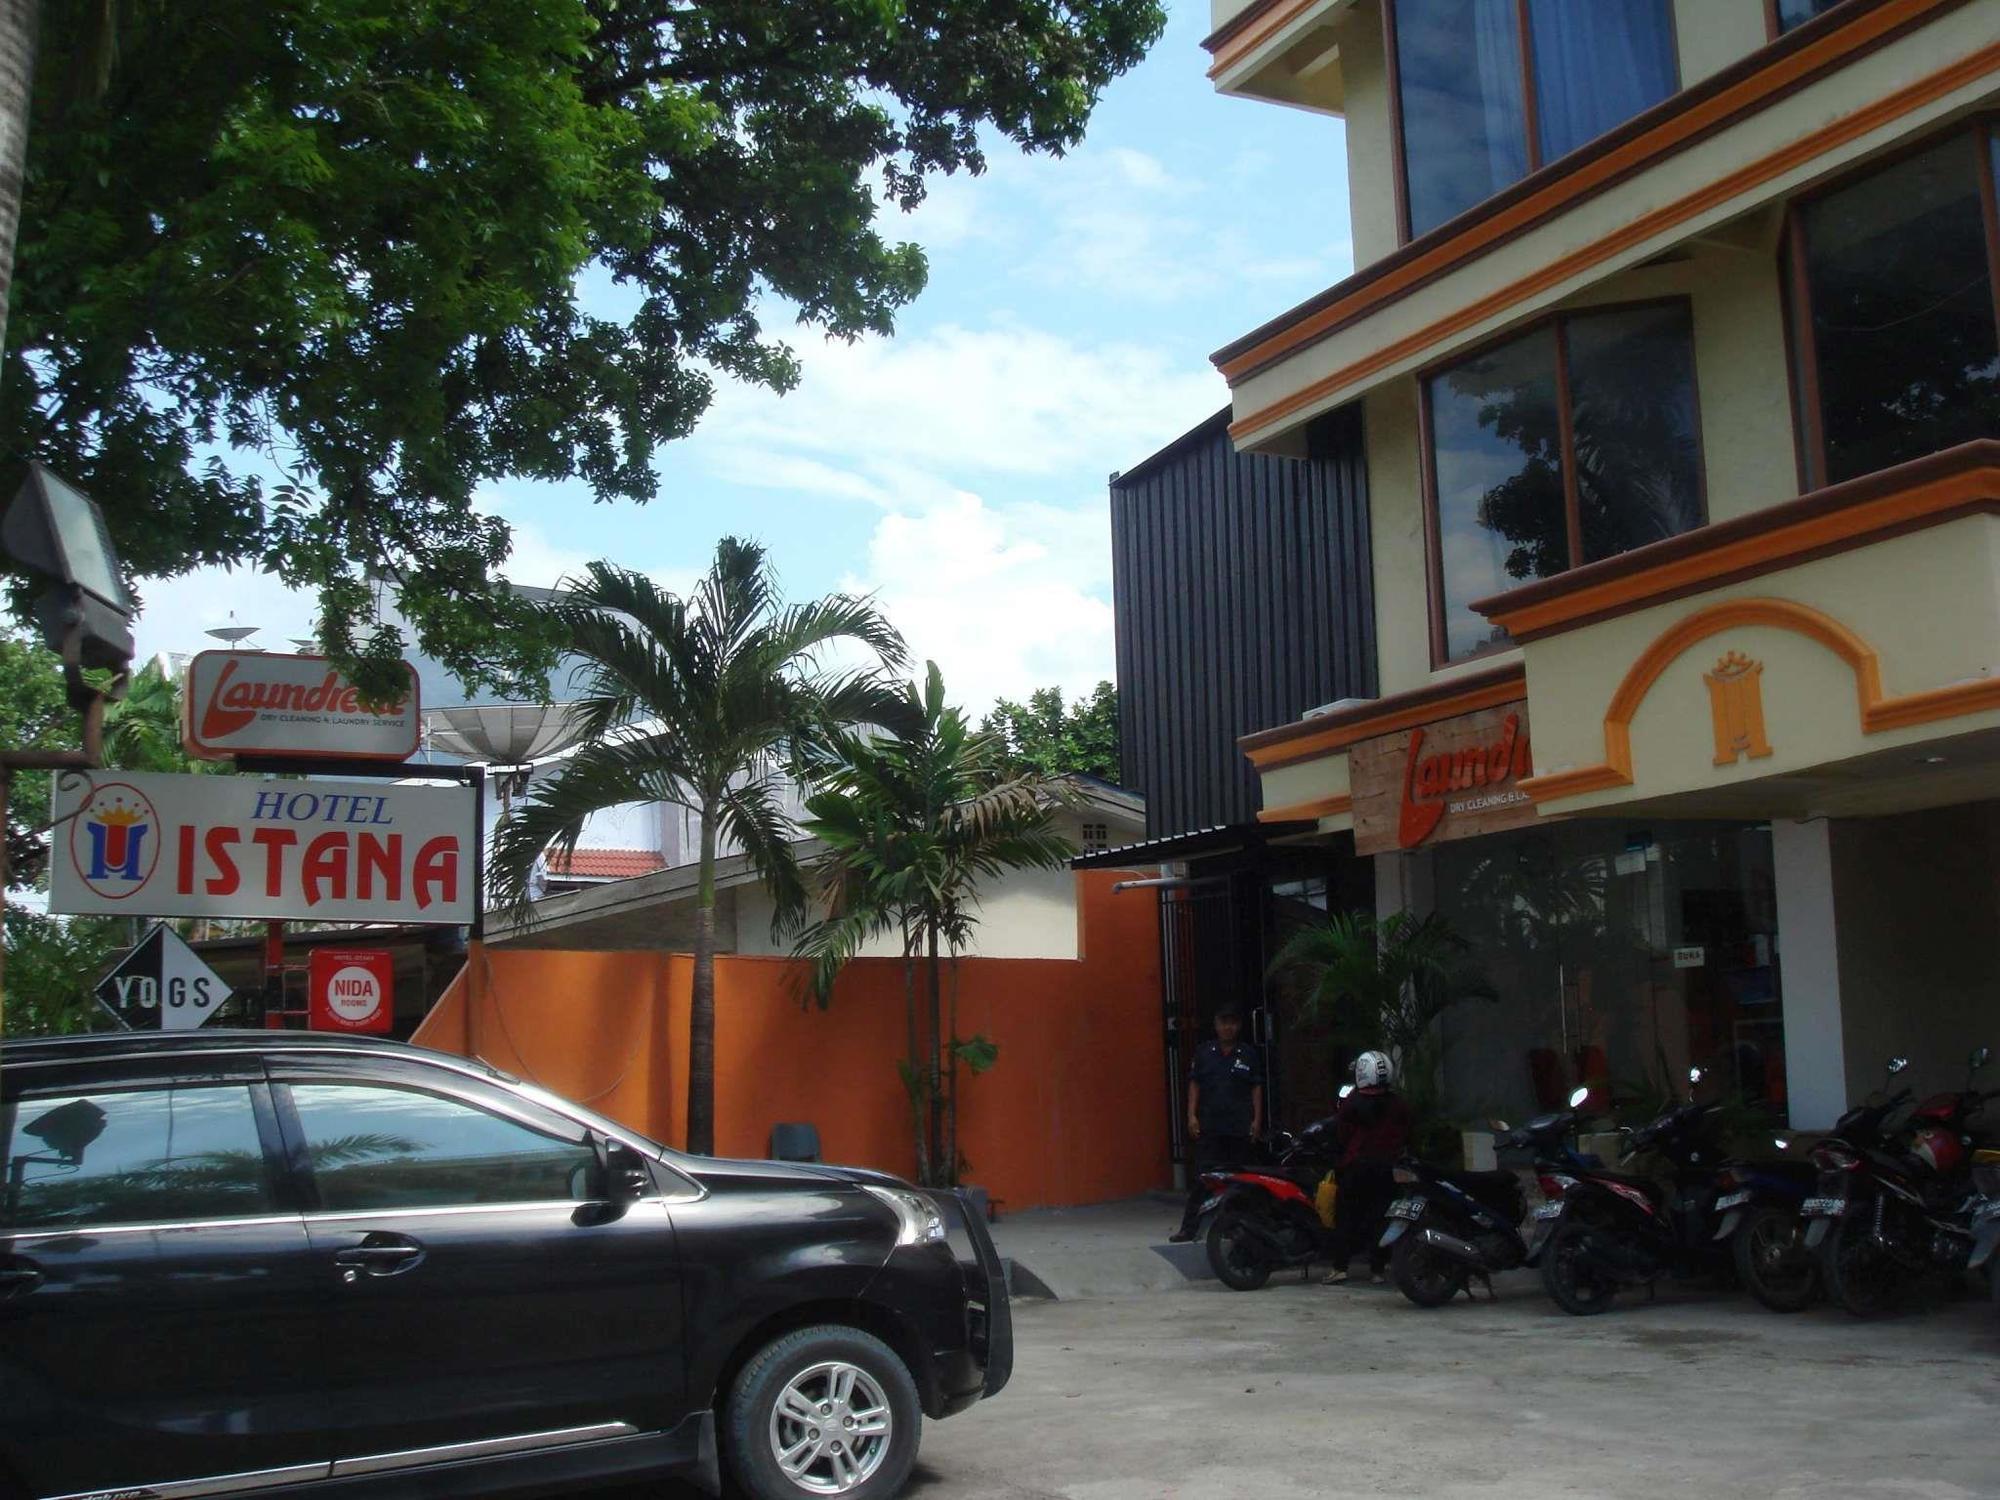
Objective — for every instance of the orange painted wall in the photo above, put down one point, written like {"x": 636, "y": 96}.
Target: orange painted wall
{"x": 1073, "y": 1112}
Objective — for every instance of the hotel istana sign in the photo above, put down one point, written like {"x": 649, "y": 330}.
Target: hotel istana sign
{"x": 256, "y": 703}
{"x": 239, "y": 846}
{"x": 1448, "y": 780}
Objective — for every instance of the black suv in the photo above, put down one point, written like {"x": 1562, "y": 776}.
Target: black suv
{"x": 251, "y": 1261}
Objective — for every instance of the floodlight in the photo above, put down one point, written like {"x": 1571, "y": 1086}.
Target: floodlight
{"x": 56, "y": 530}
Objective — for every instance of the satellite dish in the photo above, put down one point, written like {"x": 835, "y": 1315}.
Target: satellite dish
{"x": 503, "y": 734}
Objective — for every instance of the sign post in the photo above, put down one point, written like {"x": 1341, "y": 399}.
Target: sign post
{"x": 161, "y": 985}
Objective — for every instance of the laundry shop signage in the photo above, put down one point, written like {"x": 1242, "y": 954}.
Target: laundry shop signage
{"x": 261, "y": 703}
{"x": 1449, "y": 780}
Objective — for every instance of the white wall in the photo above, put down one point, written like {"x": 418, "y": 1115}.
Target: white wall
{"x": 1815, "y": 1049}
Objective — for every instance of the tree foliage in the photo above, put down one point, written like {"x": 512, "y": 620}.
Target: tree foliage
{"x": 53, "y": 964}
{"x": 297, "y": 277}
{"x": 1051, "y": 738}
{"x": 915, "y": 817}
{"x": 700, "y": 703}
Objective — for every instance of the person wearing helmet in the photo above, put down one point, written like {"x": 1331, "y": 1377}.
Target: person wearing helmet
{"x": 1371, "y": 1132}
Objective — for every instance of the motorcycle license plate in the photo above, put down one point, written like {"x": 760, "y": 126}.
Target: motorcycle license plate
{"x": 1407, "y": 1208}
{"x": 1823, "y": 1208}
{"x": 1732, "y": 1200}
{"x": 1548, "y": 1210}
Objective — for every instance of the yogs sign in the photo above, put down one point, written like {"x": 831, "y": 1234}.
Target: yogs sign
{"x": 1446, "y": 780}
{"x": 258, "y": 703}
{"x": 238, "y": 846}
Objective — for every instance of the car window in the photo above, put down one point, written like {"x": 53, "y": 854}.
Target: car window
{"x": 378, "y": 1147}
{"x": 132, "y": 1156}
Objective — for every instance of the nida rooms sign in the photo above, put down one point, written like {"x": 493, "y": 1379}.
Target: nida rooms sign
{"x": 251, "y": 703}
{"x": 240, "y": 846}
{"x": 1448, "y": 780}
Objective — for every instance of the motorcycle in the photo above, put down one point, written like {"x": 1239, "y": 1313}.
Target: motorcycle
{"x": 1618, "y": 1229}
{"x": 1986, "y": 1217}
{"x": 1262, "y": 1219}
{"x": 1763, "y": 1231}
{"x": 1889, "y": 1209}
{"x": 1450, "y": 1228}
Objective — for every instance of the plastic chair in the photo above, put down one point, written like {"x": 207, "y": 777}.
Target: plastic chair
{"x": 794, "y": 1141}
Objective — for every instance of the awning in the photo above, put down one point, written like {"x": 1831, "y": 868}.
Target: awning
{"x": 1202, "y": 841}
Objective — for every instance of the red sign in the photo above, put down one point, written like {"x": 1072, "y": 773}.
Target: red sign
{"x": 1450, "y": 779}
{"x": 353, "y": 989}
{"x": 261, "y": 703}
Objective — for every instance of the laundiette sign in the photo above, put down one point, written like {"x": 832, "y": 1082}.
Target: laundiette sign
{"x": 1446, "y": 780}
{"x": 239, "y": 846}
{"x": 256, "y": 703}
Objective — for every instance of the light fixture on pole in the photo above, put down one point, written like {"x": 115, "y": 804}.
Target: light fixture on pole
{"x": 57, "y": 531}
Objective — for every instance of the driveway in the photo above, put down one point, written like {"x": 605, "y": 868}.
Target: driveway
{"x": 1299, "y": 1390}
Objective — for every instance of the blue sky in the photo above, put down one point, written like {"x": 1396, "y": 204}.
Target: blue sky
{"x": 957, "y": 470}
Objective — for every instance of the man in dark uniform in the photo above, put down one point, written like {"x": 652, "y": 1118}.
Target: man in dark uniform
{"x": 1225, "y": 1110}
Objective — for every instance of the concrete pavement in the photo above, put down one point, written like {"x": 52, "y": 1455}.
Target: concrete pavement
{"x": 1101, "y": 1250}
{"x": 1300, "y": 1390}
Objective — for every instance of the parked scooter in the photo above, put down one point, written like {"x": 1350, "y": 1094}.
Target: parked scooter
{"x": 1985, "y": 1223}
{"x": 1449, "y": 1228}
{"x": 1762, "y": 1228}
{"x": 1618, "y": 1229}
{"x": 1895, "y": 1208}
{"x": 1262, "y": 1219}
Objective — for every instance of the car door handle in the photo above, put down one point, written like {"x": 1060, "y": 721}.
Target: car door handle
{"x": 379, "y": 1255}
{"x": 18, "y": 1277}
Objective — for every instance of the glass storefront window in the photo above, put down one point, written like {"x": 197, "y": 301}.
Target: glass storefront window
{"x": 1621, "y": 956}
{"x": 1898, "y": 321}
{"x": 1590, "y": 420}
{"x": 1481, "y": 106}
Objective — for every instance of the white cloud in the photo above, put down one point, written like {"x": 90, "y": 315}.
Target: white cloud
{"x": 1005, "y": 599}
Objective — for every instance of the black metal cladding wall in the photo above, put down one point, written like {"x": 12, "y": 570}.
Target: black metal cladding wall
{"x": 1244, "y": 597}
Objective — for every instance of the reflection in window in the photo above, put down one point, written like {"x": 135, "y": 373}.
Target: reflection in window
{"x": 1901, "y": 320}
{"x": 132, "y": 1157}
{"x": 1638, "y": 462}
{"x": 1797, "y": 12}
{"x": 385, "y": 1148}
{"x": 1497, "y": 458}
{"x": 1470, "y": 122}
{"x": 1506, "y": 475}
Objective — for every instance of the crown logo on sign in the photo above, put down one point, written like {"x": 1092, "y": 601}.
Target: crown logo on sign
{"x": 119, "y": 816}
{"x": 1733, "y": 664}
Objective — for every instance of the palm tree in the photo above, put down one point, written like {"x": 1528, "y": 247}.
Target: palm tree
{"x": 914, "y": 817}
{"x": 696, "y": 702}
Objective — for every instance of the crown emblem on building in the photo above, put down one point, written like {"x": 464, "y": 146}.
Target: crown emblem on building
{"x": 1734, "y": 664}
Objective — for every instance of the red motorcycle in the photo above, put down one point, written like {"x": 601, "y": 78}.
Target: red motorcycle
{"x": 1262, "y": 1219}
{"x": 1895, "y": 1206}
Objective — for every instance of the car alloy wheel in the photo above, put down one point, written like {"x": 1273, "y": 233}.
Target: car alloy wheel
{"x": 830, "y": 1428}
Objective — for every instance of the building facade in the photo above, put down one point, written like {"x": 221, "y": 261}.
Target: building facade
{"x": 1674, "y": 347}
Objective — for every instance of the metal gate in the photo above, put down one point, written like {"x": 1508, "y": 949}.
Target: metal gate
{"x": 1203, "y": 958}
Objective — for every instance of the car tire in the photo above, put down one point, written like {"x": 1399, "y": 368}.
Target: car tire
{"x": 807, "y": 1368}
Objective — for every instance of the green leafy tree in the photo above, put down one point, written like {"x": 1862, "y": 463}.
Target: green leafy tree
{"x": 34, "y": 715}
{"x": 1051, "y": 738}
{"x": 698, "y": 702}
{"x": 340, "y": 242}
{"x": 914, "y": 820}
{"x": 1386, "y": 983}
{"x": 53, "y": 964}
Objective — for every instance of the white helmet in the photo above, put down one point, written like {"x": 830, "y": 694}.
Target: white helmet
{"x": 1373, "y": 1070}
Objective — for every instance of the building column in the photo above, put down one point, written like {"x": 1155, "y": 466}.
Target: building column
{"x": 1815, "y": 1057}
{"x": 1403, "y": 882}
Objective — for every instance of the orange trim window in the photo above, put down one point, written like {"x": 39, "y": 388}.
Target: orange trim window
{"x": 1894, "y": 286}
{"x": 1573, "y": 442}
